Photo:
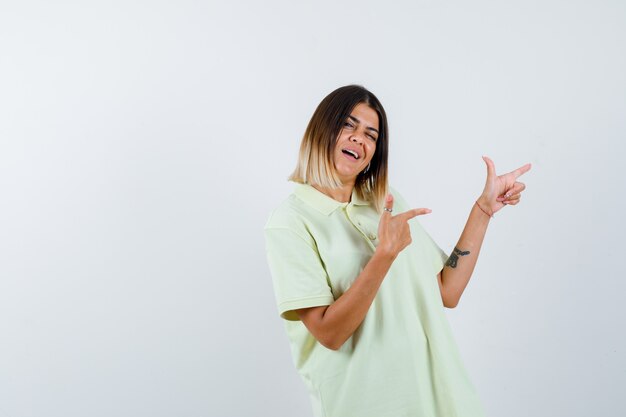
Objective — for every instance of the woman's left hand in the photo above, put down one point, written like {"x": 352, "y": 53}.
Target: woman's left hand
{"x": 501, "y": 190}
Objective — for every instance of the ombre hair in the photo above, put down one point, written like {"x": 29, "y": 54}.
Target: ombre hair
{"x": 316, "y": 165}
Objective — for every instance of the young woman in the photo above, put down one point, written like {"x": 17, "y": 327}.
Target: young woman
{"x": 360, "y": 284}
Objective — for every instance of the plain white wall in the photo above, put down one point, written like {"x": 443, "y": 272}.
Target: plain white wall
{"x": 143, "y": 145}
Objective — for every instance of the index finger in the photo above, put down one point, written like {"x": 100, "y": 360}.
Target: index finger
{"x": 409, "y": 214}
{"x": 521, "y": 170}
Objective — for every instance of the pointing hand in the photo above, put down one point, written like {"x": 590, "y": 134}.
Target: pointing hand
{"x": 501, "y": 190}
{"x": 394, "y": 231}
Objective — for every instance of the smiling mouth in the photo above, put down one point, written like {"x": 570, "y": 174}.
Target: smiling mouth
{"x": 350, "y": 153}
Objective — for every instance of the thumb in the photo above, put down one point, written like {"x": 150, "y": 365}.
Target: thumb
{"x": 491, "y": 168}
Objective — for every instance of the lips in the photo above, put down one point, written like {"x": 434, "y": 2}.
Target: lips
{"x": 352, "y": 153}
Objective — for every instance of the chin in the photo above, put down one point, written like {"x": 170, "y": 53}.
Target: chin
{"x": 347, "y": 173}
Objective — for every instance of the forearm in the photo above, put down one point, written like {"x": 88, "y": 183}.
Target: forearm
{"x": 458, "y": 269}
{"x": 343, "y": 317}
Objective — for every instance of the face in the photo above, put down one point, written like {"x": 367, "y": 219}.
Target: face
{"x": 356, "y": 143}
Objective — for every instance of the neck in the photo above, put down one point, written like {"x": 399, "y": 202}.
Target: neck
{"x": 342, "y": 194}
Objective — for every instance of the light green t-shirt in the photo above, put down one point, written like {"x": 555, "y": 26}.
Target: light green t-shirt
{"x": 402, "y": 361}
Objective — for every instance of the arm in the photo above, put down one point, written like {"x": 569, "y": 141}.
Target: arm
{"x": 334, "y": 324}
{"x": 499, "y": 191}
{"x": 457, "y": 271}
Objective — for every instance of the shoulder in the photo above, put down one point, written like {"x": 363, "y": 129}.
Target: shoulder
{"x": 284, "y": 215}
{"x": 291, "y": 214}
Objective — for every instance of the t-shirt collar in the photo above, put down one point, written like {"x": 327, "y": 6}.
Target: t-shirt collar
{"x": 321, "y": 201}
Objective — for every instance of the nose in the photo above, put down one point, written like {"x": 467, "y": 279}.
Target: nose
{"x": 356, "y": 138}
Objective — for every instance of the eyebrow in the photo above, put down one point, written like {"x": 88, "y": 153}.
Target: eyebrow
{"x": 358, "y": 121}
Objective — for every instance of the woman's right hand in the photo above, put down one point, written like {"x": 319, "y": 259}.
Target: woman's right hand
{"x": 394, "y": 232}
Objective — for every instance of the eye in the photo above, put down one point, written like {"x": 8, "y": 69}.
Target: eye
{"x": 348, "y": 124}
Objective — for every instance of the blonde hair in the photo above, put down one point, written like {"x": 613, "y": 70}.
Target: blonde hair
{"x": 315, "y": 162}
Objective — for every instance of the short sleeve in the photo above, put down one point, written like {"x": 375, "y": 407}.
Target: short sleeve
{"x": 298, "y": 274}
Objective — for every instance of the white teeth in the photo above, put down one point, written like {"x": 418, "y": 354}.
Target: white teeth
{"x": 353, "y": 153}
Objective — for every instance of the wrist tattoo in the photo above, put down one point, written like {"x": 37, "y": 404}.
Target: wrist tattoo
{"x": 454, "y": 257}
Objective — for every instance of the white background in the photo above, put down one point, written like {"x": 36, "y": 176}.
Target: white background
{"x": 143, "y": 145}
